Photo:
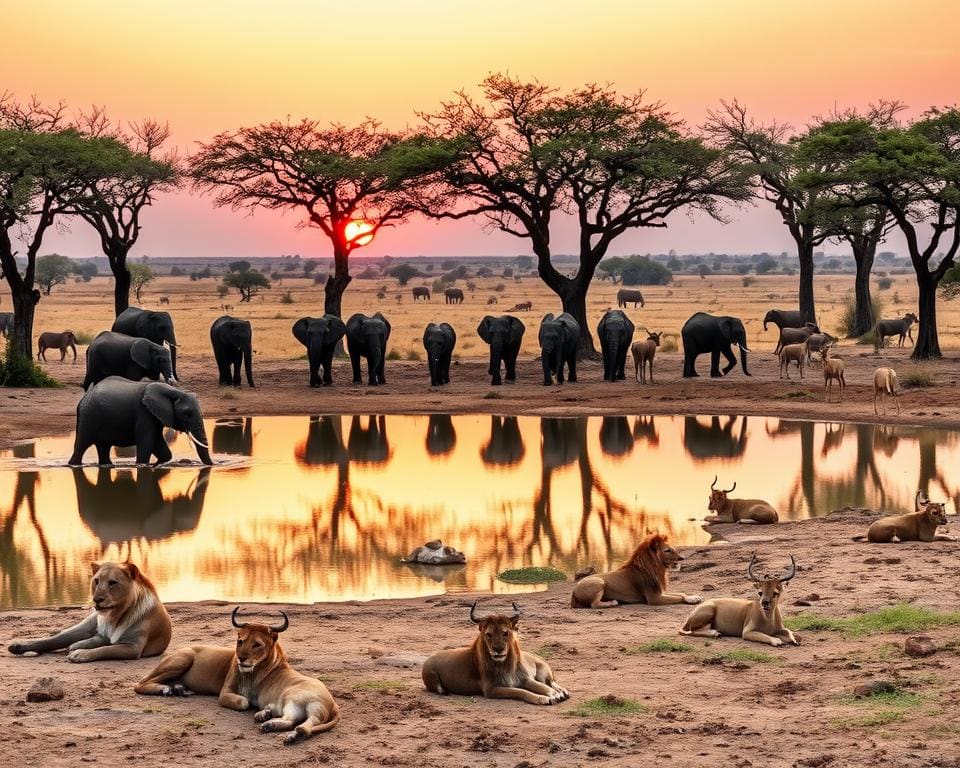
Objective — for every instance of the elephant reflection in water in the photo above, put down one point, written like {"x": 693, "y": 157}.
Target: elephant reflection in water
{"x": 369, "y": 444}
{"x": 505, "y": 446}
{"x": 645, "y": 430}
{"x": 233, "y": 436}
{"x": 441, "y": 435}
{"x": 324, "y": 444}
{"x": 129, "y": 504}
{"x": 717, "y": 441}
{"x": 616, "y": 438}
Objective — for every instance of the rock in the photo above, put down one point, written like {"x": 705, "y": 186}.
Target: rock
{"x": 873, "y": 688}
{"x": 919, "y": 646}
{"x": 46, "y": 689}
{"x": 708, "y": 588}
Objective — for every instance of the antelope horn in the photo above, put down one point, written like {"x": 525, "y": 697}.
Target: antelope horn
{"x": 517, "y": 613}
{"x": 731, "y": 490}
{"x": 473, "y": 609}
{"x": 792, "y": 572}
{"x": 278, "y": 628}
{"x": 753, "y": 562}
{"x": 713, "y": 485}
{"x": 233, "y": 619}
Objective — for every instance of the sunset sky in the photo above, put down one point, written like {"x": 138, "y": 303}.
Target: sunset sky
{"x": 211, "y": 65}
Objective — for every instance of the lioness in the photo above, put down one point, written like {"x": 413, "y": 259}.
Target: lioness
{"x": 642, "y": 579}
{"x": 493, "y": 666}
{"x": 128, "y": 620}
{"x": 919, "y": 525}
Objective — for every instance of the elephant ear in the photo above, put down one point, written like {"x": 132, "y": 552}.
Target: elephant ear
{"x": 140, "y": 353}
{"x": 726, "y": 328}
{"x": 483, "y": 330}
{"x": 516, "y": 329}
{"x": 300, "y": 330}
{"x": 338, "y": 330}
{"x": 386, "y": 323}
{"x": 630, "y": 326}
{"x": 159, "y": 399}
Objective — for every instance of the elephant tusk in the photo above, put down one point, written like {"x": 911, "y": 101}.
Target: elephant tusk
{"x": 745, "y": 349}
{"x": 197, "y": 442}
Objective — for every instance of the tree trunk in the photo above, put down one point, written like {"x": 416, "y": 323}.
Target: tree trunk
{"x": 807, "y": 303}
{"x": 863, "y": 319}
{"x": 117, "y": 257}
{"x": 927, "y": 346}
{"x": 574, "y": 301}
{"x": 337, "y": 282}
{"x": 24, "y": 306}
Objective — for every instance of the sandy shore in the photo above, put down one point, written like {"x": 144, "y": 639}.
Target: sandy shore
{"x": 790, "y": 707}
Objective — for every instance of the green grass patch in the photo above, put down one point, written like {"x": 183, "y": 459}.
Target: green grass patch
{"x": 607, "y": 705}
{"x": 196, "y": 722}
{"x": 917, "y": 376}
{"x": 547, "y": 650}
{"x": 663, "y": 645}
{"x": 531, "y": 575}
{"x": 380, "y": 685}
{"x": 742, "y": 656}
{"x": 19, "y": 371}
{"x": 895, "y": 618}
{"x": 884, "y": 707}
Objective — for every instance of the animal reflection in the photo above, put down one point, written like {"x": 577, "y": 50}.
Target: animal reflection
{"x": 616, "y": 438}
{"x": 368, "y": 444}
{"x": 441, "y": 435}
{"x": 505, "y": 447}
{"x": 716, "y": 441}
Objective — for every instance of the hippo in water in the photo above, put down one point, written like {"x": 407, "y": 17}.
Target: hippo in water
{"x": 435, "y": 553}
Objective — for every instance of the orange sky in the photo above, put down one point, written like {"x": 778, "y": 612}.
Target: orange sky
{"x": 211, "y": 65}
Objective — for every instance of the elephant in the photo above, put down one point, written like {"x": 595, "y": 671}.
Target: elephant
{"x": 233, "y": 436}
{"x": 119, "y": 412}
{"x": 714, "y": 334}
{"x": 559, "y": 340}
{"x": 616, "y": 332}
{"x": 453, "y": 296}
{"x": 367, "y": 337}
{"x": 131, "y": 505}
{"x": 232, "y": 341}
{"x": 504, "y": 335}
{"x": 783, "y": 318}
{"x": 505, "y": 446}
{"x": 131, "y": 357}
{"x": 441, "y": 434}
{"x": 439, "y": 339}
{"x": 147, "y": 324}
{"x": 421, "y": 292}
{"x": 320, "y": 335}
{"x": 616, "y": 437}
{"x": 625, "y": 296}
{"x": 61, "y": 341}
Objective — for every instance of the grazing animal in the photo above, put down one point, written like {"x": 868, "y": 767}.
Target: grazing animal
{"x": 832, "y": 371}
{"x": 492, "y": 300}
{"x": 816, "y": 341}
{"x": 795, "y": 335}
{"x": 643, "y": 354}
{"x": 885, "y": 385}
{"x": 381, "y": 295}
{"x": 729, "y": 510}
{"x": 453, "y": 296}
{"x": 435, "y": 553}
{"x": 523, "y": 306}
{"x": 642, "y": 579}
{"x": 757, "y": 620}
{"x": 164, "y": 299}
{"x": 783, "y": 318}
{"x": 792, "y": 353}
{"x": 262, "y": 678}
{"x": 899, "y": 328}
{"x": 919, "y": 525}
{"x": 626, "y": 296}
{"x": 493, "y": 666}
{"x": 128, "y": 620}
{"x": 62, "y": 341}
{"x": 421, "y": 292}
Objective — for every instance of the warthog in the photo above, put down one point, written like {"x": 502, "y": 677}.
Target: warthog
{"x": 757, "y": 620}
{"x": 494, "y": 666}
{"x": 919, "y": 525}
{"x": 738, "y": 510}
{"x": 899, "y": 328}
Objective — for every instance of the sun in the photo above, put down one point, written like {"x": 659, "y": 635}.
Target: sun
{"x": 358, "y": 232}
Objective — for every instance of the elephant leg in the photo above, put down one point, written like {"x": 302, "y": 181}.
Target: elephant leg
{"x": 79, "y": 448}
{"x": 355, "y": 363}
{"x": 715, "y": 363}
{"x": 223, "y": 371}
{"x": 236, "y": 360}
{"x": 161, "y": 450}
{"x": 510, "y": 363}
{"x": 731, "y": 360}
{"x": 103, "y": 454}
{"x": 572, "y": 368}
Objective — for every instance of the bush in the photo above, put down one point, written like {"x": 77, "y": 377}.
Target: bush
{"x": 84, "y": 337}
{"x": 848, "y": 316}
{"x": 917, "y": 376}
{"x": 884, "y": 283}
{"x": 286, "y": 298}
{"x": 499, "y": 288}
{"x": 414, "y": 355}
{"x": 749, "y": 280}
{"x": 642, "y": 270}
{"x": 394, "y": 354}
{"x": 668, "y": 344}
{"x": 19, "y": 371}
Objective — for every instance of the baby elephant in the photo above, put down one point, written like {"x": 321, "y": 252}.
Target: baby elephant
{"x": 919, "y": 525}
{"x": 738, "y": 510}
{"x": 62, "y": 341}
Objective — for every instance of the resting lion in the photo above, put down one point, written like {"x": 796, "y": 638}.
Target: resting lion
{"x": 128, "y": 620}
{"x": 642, "y": 579}
{"x": 435, "y": 553}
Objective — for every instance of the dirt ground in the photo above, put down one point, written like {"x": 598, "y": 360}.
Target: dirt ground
{"x": 787, "y": 707}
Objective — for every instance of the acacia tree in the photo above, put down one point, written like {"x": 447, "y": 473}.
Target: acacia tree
{"x": 141, "y": 275}
{"x": 52, "y": 270}
{"x": 612, "y": 162}
{"x": 334, "y": 175}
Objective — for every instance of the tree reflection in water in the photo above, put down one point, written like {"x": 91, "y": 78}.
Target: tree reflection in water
{"x": 233, "y": 436}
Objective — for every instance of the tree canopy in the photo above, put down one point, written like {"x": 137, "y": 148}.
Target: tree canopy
{"x": 52, "y": 270}
{"x": 248, "y": 283}
{"x": 141, "y": 275}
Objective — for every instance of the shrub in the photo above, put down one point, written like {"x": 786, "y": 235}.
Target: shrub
{"x": 499, "y": 287}
{"x": 848, "y": 315}
{"x": 84, "y": 337}
{"x": 19, "y": 371}
{"x": 394, "y": 354}
{"x": 884, "y": 283}
{"x": 748, "y": 280}
{"x": 413, "y": 354}
{"x": 286, "y": 298}
{"x": 668, "y": 344}
{"x": 917, "y": 376}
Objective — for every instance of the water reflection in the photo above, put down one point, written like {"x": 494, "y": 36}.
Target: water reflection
{"x": 325, "y": 506}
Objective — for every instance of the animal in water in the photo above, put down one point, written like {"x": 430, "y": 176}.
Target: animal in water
{"x": 504, "y": 335}
{"x": 62, "y": 341}
{"x": 643, "y": 354}
{"x": 783, "y": 318}
{"x": 134, "y": 358}
{"x": 615, "y": 331}
{"x": 232, "y": 340}
{"x": 795, "y": 336}
{"x": 320, "y": 336}
{"x": 439, "y": 339}
{"x": 367, "y": 338}
{"x": 453, "y": 296}
{"x": 727, "y": 510}
{"x": 642, "y": 579}
{"x": 493, "y": 666}
{"x": 421, "y": 292}
{"x": 147, "y": 324}
{"x": 900, "y": 328}
{"x": 435, "y": 553}
{"x": 128, "y": 620}
{"x": 627, "y": 296}
{"x": 792, "y": 353}
{"x": 885, "y": 384}
{"x": 919, "y": 525}
{"x": 832, "y": 372}
{"x": 758, "y": 620}
{"x": 123, "y": 413}
{"x": 559, "y": 341}
{"x": 704, "y": 333}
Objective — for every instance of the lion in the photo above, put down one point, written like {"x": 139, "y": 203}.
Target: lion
{"x": 919, "y": 525}
{"x": 128, "y": 620}
{"x": 254, "y": 674}
{"x": 642, "y": 579}
{"x": 494, "y": 666}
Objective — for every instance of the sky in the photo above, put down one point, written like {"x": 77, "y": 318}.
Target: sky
{"x": 213, "y": 65}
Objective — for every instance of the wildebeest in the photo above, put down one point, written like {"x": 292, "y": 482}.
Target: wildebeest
{"x": 626, "y": 296}
{"x": 795, "y": 335}
{"x": 900, "y": 328}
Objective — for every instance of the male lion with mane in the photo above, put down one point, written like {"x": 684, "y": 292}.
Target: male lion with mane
{"x": 642, "y": 579}
{"x": 128, "y": 620}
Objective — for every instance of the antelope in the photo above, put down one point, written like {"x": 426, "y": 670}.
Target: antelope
{"x": 792, "y": 353}
{"x": 643, "y": 354}
{"x": 832, "y": 371}
{"x": 885, "y": 385}
{"x": 729, "y": 510}
{"x": 919, "y": 525}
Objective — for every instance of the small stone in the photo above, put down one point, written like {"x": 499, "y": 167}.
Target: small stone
{"x": 46, "y": 689}
{"x": 708, "y": 588}
{"x": 919, "y": 645}
{"x": 873, "y": 688}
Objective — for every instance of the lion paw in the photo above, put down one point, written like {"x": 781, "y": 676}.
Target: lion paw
{"x": 79, "y": 656}
{"x": 293, "y": 738}
{"x": 546, "y": 700}
{"x": 776, "y": 642}
{"x": 692, "y": 599}
{"x": 262, "y": 716}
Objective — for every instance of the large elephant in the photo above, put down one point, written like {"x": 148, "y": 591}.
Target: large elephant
{"x": 504, "y": 335}
{"x": 559, "y": 340}
{"x": 132, "y": 357}
{"x": 147, "y": 324}
{"x": 704, "y": 333}
{"x": 439, "y": 339}
{"x": 626, "y": 296}
{"x": 119, "y": 412}
{"x": 320, "y": 336}
{"x": 616, "y": 332}
{"x": 367, "y": 337}
{"x": 233, "y": 436}
{"x": 232, "y": 341}
{"x": 783, "y": 318}
{"x": 421, "y": 292}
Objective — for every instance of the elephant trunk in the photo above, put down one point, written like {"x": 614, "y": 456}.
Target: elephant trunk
{"x": 613, "y": 347}
{"x": 248, "y": 361}
{"x": 172, "y": 341}
{"x": 199, "y": 437}
{"x": 496, "y": 359}
{"x": 376, "y": 360}
{"x": 743, "y": 360}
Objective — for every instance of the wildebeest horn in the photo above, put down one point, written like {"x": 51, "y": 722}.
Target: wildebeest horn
{"x": 792, "y": 572}
{"x": 278, "y": 628}
{"x": 714, "y": 483}
{"x": 753, "y": 561}
{"x": 517, "y": 613}
{"x": 473, "y": 609}
{"x": 731, "y": 490}
{"x": 233, "y": 619}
